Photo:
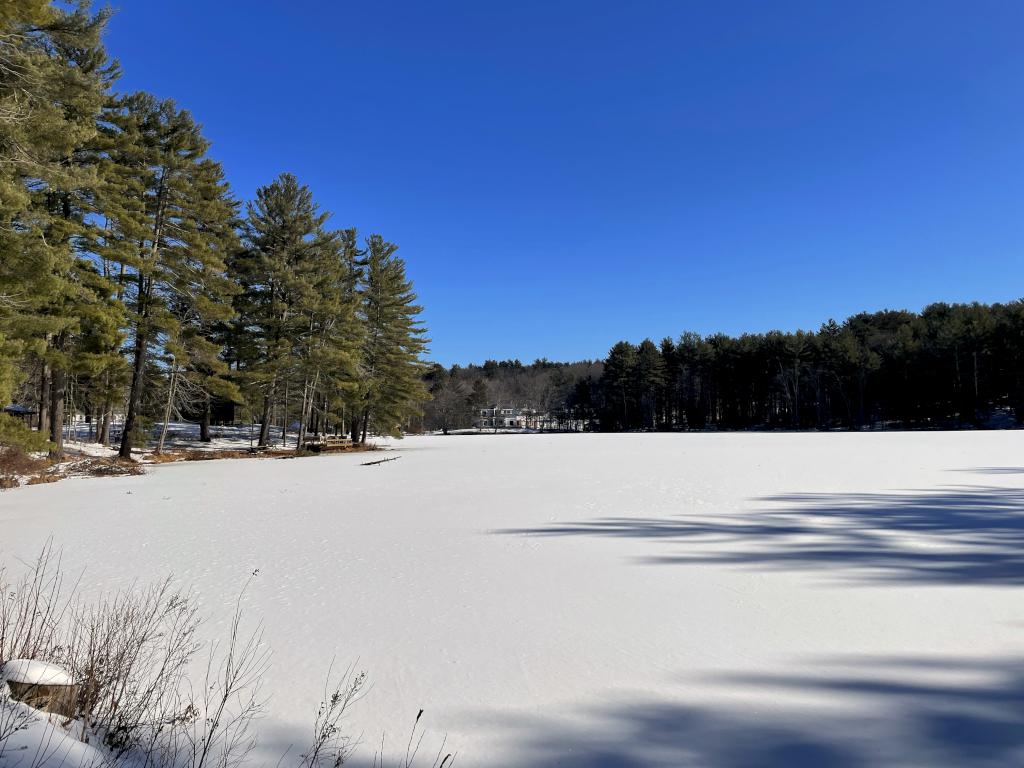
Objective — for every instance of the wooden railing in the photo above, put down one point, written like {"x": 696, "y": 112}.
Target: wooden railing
{"x": 326, "y": 443}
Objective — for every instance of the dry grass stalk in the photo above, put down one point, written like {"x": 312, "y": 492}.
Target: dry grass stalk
{"x": 129, "y": 654}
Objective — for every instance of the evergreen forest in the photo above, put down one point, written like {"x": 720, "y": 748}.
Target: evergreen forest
{"x": 137, "y": 289}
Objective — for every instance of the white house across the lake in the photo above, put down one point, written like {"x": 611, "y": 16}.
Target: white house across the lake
{"x": 500, "y": 417}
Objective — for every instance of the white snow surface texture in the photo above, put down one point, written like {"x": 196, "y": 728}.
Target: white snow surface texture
{"x": 34, "y": 672}
{"x": 602, "y": 600}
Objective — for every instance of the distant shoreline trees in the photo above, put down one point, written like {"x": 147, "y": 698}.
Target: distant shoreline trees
{"x": 131, "y": 284}
{"x": 950, "y": 366}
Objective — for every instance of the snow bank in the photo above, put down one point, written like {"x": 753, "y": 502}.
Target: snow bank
{"x": 41, "y": 741}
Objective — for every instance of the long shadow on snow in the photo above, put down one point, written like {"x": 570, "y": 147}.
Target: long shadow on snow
{"x": 956, "y": 535}
{"x": 890, "y": 714}
{"x": 993, "y": 470}
{"x": 878, "y": 712}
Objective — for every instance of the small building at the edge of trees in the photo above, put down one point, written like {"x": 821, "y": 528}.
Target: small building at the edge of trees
{"x": 509, "y": 417}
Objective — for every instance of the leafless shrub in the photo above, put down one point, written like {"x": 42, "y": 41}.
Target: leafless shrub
{"x": 412, "y": 749}
{"x": 330, "y": 747}
{"x": 130, "y": 654}
{"x": 222, "y": 732}
{"x": 32, "y": 612}
{"x": 32, "y": 609}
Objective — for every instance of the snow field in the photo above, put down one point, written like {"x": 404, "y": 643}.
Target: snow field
{"x": 603, "y": 600}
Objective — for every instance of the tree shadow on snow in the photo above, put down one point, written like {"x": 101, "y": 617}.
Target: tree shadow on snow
{"x": 993, "y": 470}
{"x": 896, "y": 712}
{"x": 954, "y": 535}
{"x": 284, "y": 745}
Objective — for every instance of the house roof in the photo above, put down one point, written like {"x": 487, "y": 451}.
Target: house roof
{"x": 19, "y": 410}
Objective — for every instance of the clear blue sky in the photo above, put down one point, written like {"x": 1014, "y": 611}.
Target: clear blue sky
{"x": 561, "y": 175}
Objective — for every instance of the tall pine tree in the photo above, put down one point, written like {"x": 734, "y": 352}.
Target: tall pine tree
{"x": 166, "y": 206}
{"x": 296, "y": 283}
{"x": 390, "y": 387}
{"x": 53, "y": 78}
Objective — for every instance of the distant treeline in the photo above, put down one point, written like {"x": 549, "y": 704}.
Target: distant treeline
{"x": 950, "y": 366}
{"x": 551, "y": 389}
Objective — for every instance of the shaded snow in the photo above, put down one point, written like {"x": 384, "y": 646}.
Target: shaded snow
{"x": 42, "y": 741}
{"x": 604, "y": 600}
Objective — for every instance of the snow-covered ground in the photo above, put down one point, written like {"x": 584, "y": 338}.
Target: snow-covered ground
{"x": 181, "y": 435}
{"x": 605, "y": 600}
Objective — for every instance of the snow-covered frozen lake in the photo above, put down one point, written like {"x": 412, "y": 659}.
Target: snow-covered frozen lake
{"x": 605, "y": 600}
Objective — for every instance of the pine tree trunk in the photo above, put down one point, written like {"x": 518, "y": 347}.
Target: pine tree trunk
{"x": 57, "y": 391}
{"x": 204, "y": 421}
{"x": 306, "y": 399}
{"x": 977, "y": 404}
{"x": 796, "y": 395}
{"x": 108, "y": 404}
{"x": 44, "y": 399}
{"x": 134, "y": 395}
{"x": 284, "y": 417}
{"x": 167, "y": 409}
{"x": 138, "y": 374}
{"x": 307, "y": 408}
{"x": 265, "y": 421}
{"x": 141, "y": 340}
{"x": 103, "y": 430}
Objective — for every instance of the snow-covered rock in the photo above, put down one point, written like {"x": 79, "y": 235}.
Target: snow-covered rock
{"x": 34, "y": 672}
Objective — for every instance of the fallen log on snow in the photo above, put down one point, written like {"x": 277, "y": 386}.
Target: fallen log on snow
{"x": 379, "y": 461}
